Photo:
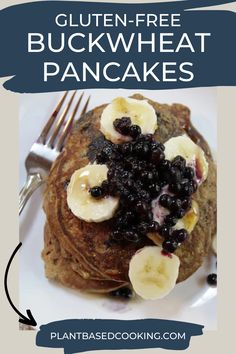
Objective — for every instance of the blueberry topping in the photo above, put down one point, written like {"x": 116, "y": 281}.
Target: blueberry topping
{"x": 131, "y": 236}
{"x": 122, "y": 125}
{"x": 188, "y": 173}
{"x": 134, "y": 131}
{"x": 180, "y": 235}
{"x": 96, "y": 192}
{"x": 138, "y": 173}
{"x": 165, "y": 200}
{"x": 165, "y": 231}
{"x": 179, "y": 162}
{"x": 169, "y": 245}
{"x": 170, "y": 220}
{"x": 186, "y": 203}
{"x": 212, "y": 279}
{"x": 154, "y": 226}
{"x": 125, "y": 293}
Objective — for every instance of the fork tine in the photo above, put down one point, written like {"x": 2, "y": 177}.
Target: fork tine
{"x": 60, "y": 121}
{"x": 68, "y": 124}
{"x": 85, "y": 107}
{"x": 51, "y": 120}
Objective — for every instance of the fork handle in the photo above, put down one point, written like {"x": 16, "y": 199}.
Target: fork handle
{"x": 32, "y": 183}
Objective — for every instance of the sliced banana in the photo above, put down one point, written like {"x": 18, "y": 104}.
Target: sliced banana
{"x": 153, "y": 273}
{"x": 214, "y": 244}
{"x": 79, "y": 200}
{"x": 140, "y": 112}
{"x": 188, "y": 222}
{"x": 193, "y": 154}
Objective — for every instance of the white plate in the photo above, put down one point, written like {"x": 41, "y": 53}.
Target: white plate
{"x": 191, "y": 301}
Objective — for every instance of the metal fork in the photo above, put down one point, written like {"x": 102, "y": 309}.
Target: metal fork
{"x": 48, "y": 146}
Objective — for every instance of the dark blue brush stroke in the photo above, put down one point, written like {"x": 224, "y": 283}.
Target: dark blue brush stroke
{"x": 216, "y": 67}
{"x": 43, "y": 338}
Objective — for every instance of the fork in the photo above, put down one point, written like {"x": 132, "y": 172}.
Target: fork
{"x": 48, "y": 146}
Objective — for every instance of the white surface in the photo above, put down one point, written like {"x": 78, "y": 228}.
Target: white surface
{"x": 191, "y": 301}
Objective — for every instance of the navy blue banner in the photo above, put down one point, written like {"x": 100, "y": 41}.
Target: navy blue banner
{"x": 55, "y": 45}
{"x": 77, "y": 336}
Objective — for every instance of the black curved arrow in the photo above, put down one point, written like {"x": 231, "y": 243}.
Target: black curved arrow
{"x": 23, "y": 319}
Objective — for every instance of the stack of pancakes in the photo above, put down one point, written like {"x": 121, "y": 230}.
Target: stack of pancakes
{"x": 76, "y": 253}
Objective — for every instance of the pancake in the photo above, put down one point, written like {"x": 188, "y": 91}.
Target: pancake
{"x": 84, "y": 259}
{"x": 61, "y": 268}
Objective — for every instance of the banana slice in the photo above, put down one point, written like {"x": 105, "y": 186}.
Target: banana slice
{"x": 193, "y": 154}
{"x": 153, "y": 273}
{"x": 188, "y": 222}
{"x": 79, "y": 200}
{"x": 140, "y": 112}
{"x": 214, "y": 244}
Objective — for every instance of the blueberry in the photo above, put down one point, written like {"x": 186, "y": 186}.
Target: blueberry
{"x": 175, "y": 175}
{"x": 146, "y": 137}
{"x": 130, "y": 216}
{"x": 143, "y": 194}
{"x": 123, "y": 192}
{"x": 157, "y": 155}
{"x": 126, "y": 148}
{"x": 194, "y": 185}
{"x": 155, "y": 145}
{"x": 165, "y": 230}
{"x": 186, "y": 203}
{"x": 122, "y": 125}
{"x": 169, "y": 245}
{"x": 170, "y": 220}
{"x": 175, "y": 204}
{"x": 179, "y": 213}
{"x": 146, "y": 176}
{"x": 125, "y": 293}
{"x": 129, "y": 183}
{"x": 153, "y": 226}
{"x": 111, "y": 174}
{"x": 141, "y": 150}
{"x": 180, "y": 235}
{"x": 165, "y": 200}
{"x": 100, "y": 158}
{"x": 131, "y": 199}
{"x": 175, "y": 188}
{"x": 132, "y": 236}
{"x": 212, "y": 279}
{"x": 189, "y": 173}
{"x": 124, "y": 174}
{"x": 96, "y": 192}
{"x": 116, "y": 236}
{"x": 134, "y": 131}
{"x": 165, "y": 164}
{"x": 108, "y": 151}
{"x": 179, "y": 162}
{"x": 154, "y": 189}
{"x": 143, "y": 227}
{"x": 121, "y": 222}
{"x": 141, "y": 207}
{"x": 186, "y": 188}
{"x": 138, "y": 147}
{"x": 145, "y": 151}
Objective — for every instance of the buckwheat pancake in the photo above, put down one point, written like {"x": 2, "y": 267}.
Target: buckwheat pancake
{"x": 76, "y": 252}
